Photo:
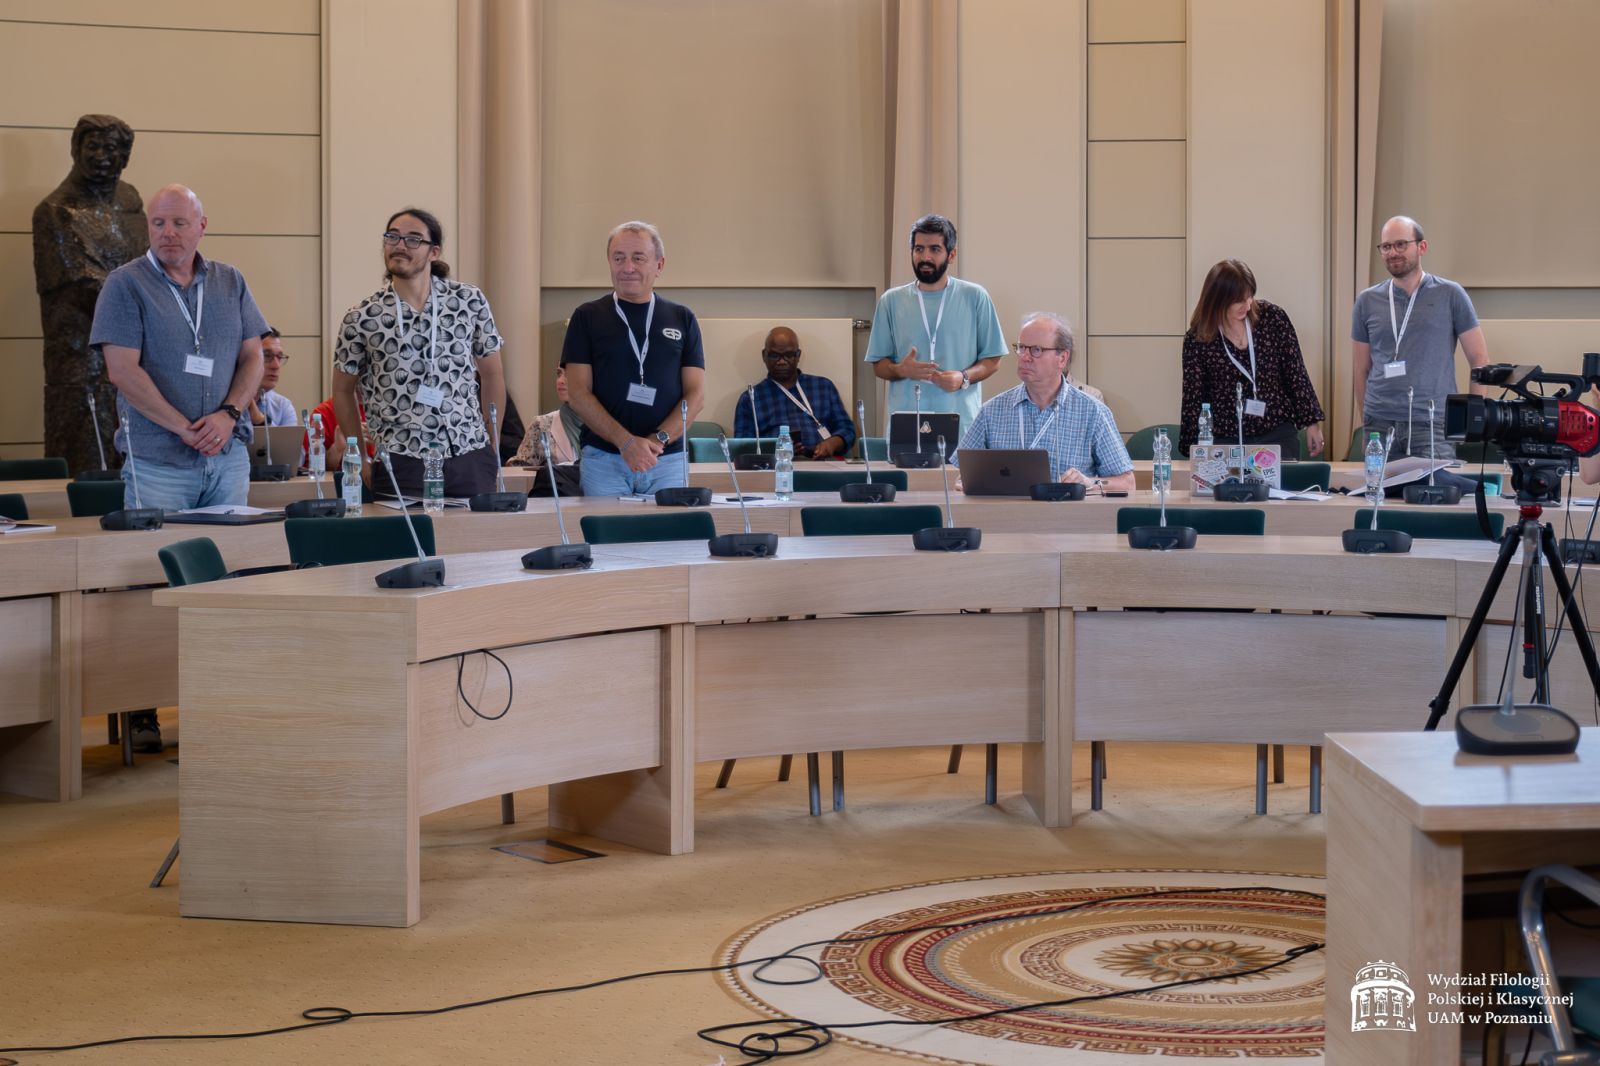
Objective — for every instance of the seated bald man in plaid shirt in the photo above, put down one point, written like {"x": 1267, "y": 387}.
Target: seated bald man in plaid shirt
{"x": 1078, "y": 431}
{"x": 809, "y": 405}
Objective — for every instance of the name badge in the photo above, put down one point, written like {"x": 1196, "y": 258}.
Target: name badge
{"x": 1255, "y": 407}
{"x": 644, "y": 394}
{"x": 197, "y": 364}
{"x": 430, "y": 395}
{"x": 1396, "y": 369}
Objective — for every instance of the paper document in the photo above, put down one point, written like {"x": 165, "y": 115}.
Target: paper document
{"x": 1284, "y": 494}
{"x": 230, "y": 508}
{"x": 1399, "y": 472}
{"x": 11, "y": 525}
{"x": 750, "y": 501}
{"x": 408, "y": 503}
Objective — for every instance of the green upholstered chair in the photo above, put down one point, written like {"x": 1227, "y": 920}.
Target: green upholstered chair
{"x": 1220, "y": 520}
{"x": 1430, "y": 523}
{"x": 647, "y": 528}
{"x": 192, "y": 562}
{"x": 833, "y": 480}
{"x": 1357, "y": 452}
{"x": 337, "y": 541}
{"x": 89, "y": 499}
{"x": 33, "y": 469}
{"x": 877, "y": 449}
{"x": 14, "y": 505}
{"x": 707, "y": 450}
{"x": 705, "y": 429}
{"x": 1141, "y": 444}
{"x": 887, "y": 521}
{"x": 1300, "y": 476}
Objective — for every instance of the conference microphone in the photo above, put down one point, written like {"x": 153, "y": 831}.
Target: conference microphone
{"x": 316, "y": 468}
{"x": 917, "y": 459}
{"x": 746, "y": 544}
{"x": 756, "y": 460}
{"x": 104, "y": 473}
{"x": 500, "y": 500}
{"x": 1431, "y": 494}
{"x": 684, "y": 495}
{"x": 425, "y": 572}
{"x": 566, "y": 555}
{"x": 1240, "y": 489}
{"x": 137, "y": 516}
{"x": 1162, "y": 538}
{"x": 269, "y": 471}
{"x": 948, "y": 537}
{"x": 1375, "y": 541}
{"x": 858, "y": 492}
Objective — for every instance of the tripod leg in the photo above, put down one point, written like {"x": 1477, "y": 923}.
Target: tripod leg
{"x": 1534, "y": 653}
{"x": 1441, "y": 703}
{"x": 1575, "y": 619}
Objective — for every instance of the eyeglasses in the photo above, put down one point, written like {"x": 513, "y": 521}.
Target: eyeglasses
{"x": 268, "y": 357}
{"x": 410, "y": 240}
{"x": 1033, "y": 351}
{"x": 782, "y": 356}
{"x": 1394, "y": 246}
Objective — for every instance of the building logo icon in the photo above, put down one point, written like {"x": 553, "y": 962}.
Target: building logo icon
{"x": 1382, "y": 999}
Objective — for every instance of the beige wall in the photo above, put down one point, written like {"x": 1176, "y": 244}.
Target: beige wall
{"x": 252, "y": 153}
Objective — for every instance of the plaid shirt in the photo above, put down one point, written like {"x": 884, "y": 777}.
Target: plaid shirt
{"x": 774, "y": 409}
{"x": 1077, "y": 430}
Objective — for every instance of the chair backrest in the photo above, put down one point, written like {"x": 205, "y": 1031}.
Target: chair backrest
{"x": 646, "y": 528}
{"x": 1358, "y": 447}
{"x": 707, "y": 450}
{"x": 1141, "y": 445}
{"x": 14, "y": 505}
{"x": 85, "y": 499}
{"x": 192, "y": 562}
{"x": 705, "y": 429}
{"x": 1221, "y": 520}
{"x": 1429, "y": 523}
{"x": 335, "y": 541}
{"x": 1298, "y": 476}
{"x": 832, "y": 480}
{"x": 869, "y": 520}
{"x": 877, "y": 448}
{"x": 33, "y": 469}
{"x": 338, "y": 487}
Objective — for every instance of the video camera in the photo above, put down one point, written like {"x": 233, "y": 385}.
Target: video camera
{"x": 1555, "y": 427}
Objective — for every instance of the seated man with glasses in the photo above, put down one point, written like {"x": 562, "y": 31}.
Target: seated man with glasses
{"x": 1405, "y": 331}
{"x": 809, "y": 405}
{"x": 271, "y": 408}
{"x": 1047, "y": 411}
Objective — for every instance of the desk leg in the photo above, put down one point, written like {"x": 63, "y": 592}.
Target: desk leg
{"x": 650, "y": 809}
{"x": 1394, "y": 894}
{"x": 1047, "y": 765}
{"x": 39, "y": 756}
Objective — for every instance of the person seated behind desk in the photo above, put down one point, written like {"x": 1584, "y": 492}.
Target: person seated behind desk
{"x": 1048, "y": 412}
{"x": 809, "y": 405}
{"x": 564, "y": 428}
{"x": 271, "y": 408}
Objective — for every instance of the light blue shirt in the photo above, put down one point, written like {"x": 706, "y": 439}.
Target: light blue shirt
{"x": 968, "y": 331}
{"x": 1077, "y": 430}
{"x": 279, "y": 410}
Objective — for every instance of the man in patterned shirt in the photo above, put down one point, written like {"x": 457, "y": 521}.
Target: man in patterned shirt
{"x": 1046, "y": 412}
{"x": 422, "y": 349}
{"x": 809, "y": 405}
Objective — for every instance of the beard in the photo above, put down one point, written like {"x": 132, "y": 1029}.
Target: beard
{"x": 928, "y": 273}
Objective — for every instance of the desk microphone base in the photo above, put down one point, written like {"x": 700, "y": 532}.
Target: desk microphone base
{"x": 422, "y": 574}
{"x": 314, "y": 509}
{"x": 1162, "y": 538}
{"x": 275, "y": 472}
{"x": 947, "y": 539}
{"x": 1530, "y": 729}
{"x": 743, "y": 545}
{"x": 1056, "y": 491}
{"x": 499, "y": 502}
{"x": 916, "y": 460}
{"x": 133, "y": 518}
{"x": 1376, "y": 541}
{"x": 862, "y": 492}
{"x": 102, "y": 474}
{"x": 559, "y": 557}
{"x": 1432, "y": 495}
{"x": 756, "y": 461}
{"x": 1236, "y": 491}
{"x": 684, "y": 496}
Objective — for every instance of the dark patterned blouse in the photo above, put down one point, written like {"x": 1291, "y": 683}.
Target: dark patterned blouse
{"x": 1281, "y": 381}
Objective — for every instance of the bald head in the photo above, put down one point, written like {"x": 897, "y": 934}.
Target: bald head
{"x": 177, "y": 222}
{"x": 781, "y": 353}
{"x": 1404, "y": 226}
{"x": 176, "y": 198}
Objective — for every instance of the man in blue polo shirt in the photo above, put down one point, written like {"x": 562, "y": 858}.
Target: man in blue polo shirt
{"x": 632, "y": 358}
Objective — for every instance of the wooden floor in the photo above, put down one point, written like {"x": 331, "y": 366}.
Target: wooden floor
{"x": 89, "y": 952}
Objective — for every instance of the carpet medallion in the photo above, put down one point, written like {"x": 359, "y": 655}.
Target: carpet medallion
{"x": 1235, "y": 922}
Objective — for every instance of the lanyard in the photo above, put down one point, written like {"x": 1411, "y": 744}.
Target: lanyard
{"x": 1400, "y": 330}
{"x": 199, "y": 300}
{"x": 1250, "y": 340}
{"x": 649, "y": 316}
{"x": 804, "y": 402}
{"x": 1022, "y": 433}
{"x": 933, "y": 333}
{"x": 433, "y": 327}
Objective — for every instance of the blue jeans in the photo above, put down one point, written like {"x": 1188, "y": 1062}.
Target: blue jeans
{"x": 223, "y": 478}
{"x": 606, "y": 473}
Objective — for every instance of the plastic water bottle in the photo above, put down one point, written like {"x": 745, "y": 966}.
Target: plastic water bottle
{"x": 316, "y": 453}
{"x": 1375, "y": 458}
{"x": 1203, "y": 436}
{"x": 352, "y": 477}
{"x": 1161, "y": 465}
{"x": 433, "y": 479}
{"x": 783, "y": 466}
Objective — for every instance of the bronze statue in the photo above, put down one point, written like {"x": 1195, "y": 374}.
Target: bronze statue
{"x": 91, "y": 224}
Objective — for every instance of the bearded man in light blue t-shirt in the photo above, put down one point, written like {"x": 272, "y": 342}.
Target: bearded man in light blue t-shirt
{"x": 938, "y": 330}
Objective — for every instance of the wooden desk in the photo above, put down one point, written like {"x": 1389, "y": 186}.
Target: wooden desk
{"x": 1408, "y": 818}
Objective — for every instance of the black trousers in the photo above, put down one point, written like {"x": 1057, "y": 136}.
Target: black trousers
{"x": 1286, "y": 436}
{"x": 464, "y": 475}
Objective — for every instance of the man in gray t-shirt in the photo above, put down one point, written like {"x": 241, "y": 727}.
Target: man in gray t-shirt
{"x": 1405, "y": 331}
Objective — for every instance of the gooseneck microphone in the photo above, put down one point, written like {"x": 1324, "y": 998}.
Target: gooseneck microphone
{"x": 1163, "y": 538}
{"x": 948, "y": 537}
{"x": 500, "y": 500}
{"x": 269, "y": 471}
{"x": 1431, "y": 494}
{"x": 684, "y": 495}
{"x": 425, "y": 572}
{"x": 916, "y": 459}
{"x": 319, "y": 507}
{"x": 103, "y": 473}
{"x": 757, "y": 460}
{"x": 857, "y": 492}
{"x": 137, "y": 516}
{"x": 1243, "y": 488}
{"x": 746, "y": 544}
{"x": 1372, "y": 540}
{"x": 566, "y": 555}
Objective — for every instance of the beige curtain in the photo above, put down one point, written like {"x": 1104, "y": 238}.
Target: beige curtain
{"x": 497, "y": 163}
{"x": 921, "y": 82}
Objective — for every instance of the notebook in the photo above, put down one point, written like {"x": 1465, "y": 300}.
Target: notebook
{"x": 1003, "y": 471}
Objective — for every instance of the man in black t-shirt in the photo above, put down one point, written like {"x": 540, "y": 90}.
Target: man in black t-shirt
{"x": 632, "y": 358}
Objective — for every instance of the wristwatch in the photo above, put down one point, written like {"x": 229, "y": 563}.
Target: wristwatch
{"x": 233, "y": 411}
{"x": 661, "y": 435}
{"x": 966, "y": 382}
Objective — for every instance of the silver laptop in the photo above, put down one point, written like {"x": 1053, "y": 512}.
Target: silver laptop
{"x": 905, "y": 432}
{"x": 286, "y": 441}
{"x": 1003, "y": 471}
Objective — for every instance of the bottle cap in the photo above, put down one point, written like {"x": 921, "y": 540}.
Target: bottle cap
{"x": 783, "y": 430}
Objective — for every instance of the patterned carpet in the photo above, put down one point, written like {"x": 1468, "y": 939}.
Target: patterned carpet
{"x": 1240, "y": 921}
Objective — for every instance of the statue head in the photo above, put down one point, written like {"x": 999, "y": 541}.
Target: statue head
{"x": 101, "y": 145}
